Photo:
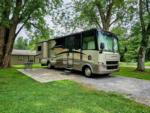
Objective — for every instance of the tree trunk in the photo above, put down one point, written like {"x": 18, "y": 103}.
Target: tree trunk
{"x": 145, "y": 38}
{"x": 105, "y": 17}
{"x": 141, "y": 59}
{"x": 2, "y": 35}
{"x": 106, "y": 25}
{"x": 6, "y": 39}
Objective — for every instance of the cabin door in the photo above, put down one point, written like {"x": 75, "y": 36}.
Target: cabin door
{"x": 70, "y": 54}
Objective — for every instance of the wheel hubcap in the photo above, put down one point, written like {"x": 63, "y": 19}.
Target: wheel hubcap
{"x": 87, "y": 72}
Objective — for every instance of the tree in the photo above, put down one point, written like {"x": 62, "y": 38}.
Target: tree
{"x": 19, "y": 12}
{"x": 133, "y": 46}
{"x": 85, "y": 14}
{"x": 21, "y": 43}
{"x": 102, "y": 13}
{"x": 144, "y": 16}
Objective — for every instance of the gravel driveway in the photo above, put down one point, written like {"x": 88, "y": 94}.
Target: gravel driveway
{"x": 137, "y": 89}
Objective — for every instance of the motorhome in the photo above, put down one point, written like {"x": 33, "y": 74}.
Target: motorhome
{"x": 93, "y": 51}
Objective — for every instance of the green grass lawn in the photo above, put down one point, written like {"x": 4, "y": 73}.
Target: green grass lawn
{"x": 130, "y": 72}
{"x": 21, "y": 94}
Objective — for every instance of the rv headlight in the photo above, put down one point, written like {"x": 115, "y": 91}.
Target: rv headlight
{"x": 102, "y": 64}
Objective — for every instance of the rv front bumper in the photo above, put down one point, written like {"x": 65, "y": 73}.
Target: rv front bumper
{"x": 105, "y": 69}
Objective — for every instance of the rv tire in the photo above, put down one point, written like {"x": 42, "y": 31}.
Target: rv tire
{"x": 87, "y": 71}
{"x": 49, "y": 65}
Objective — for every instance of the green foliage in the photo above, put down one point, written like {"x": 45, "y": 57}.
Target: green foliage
{"x": 99, "y": 12}
{"x": 21, "y": 43}
{"x": 29, "y": 14}
{"x": 32, "y": 17}
{"x": 85, "y": 14}
{"x": 19, "y": 93}
{"x": 133, "y": 47}
{"x": 121, "y": 33}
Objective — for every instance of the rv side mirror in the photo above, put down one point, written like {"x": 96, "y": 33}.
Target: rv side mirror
{"x": 102, "y": 46}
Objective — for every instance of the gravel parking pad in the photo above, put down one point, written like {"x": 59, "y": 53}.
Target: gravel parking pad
{"x": 137, "y": 89}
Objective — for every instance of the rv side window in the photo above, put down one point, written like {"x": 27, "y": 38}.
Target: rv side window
{"x": 60, "y": 42}
{"x": 89, "y": 43}
{"x": 39, "y": 48}
{"x": 77, "y": 41}
{"x": 89, "y": 40}
{"x": 69, "y": 42}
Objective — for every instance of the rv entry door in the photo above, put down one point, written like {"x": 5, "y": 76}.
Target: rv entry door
{"x": 70, "y": 54}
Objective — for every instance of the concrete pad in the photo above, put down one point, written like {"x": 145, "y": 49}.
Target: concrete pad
{"x": 44, "y": 75}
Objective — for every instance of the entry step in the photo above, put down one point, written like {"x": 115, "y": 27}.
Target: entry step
{"x": 68, "y": 68}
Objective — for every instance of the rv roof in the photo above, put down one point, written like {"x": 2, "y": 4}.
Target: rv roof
{"x": 93, "y": 29}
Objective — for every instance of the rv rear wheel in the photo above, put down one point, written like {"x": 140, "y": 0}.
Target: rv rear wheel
{"x": 49, "y": 65}
{"x": 87, "y": 72}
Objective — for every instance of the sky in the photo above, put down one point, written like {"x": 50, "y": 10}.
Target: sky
{"x": 24, "y": 33}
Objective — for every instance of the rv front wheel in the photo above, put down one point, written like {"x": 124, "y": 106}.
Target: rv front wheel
{"x": 87, "y": 72}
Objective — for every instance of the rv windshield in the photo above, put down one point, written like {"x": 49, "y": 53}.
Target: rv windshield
{"x": 110, "y": 42}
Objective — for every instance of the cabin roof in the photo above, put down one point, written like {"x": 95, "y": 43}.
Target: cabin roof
{"x": 23, "y": 52}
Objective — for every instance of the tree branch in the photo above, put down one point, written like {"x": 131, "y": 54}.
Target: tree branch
{"x": 22, "y": 26}
{"x": 147, "y": 7}
{"x": 34, "y": 26}
{"x": 141, "y": 15}
{"x": 100, "y": 10}
{"x": 29, "y": 16}
{"x": 96, "y": 21}
{"x": 19, "y": 30}
{"x": 115, "y": 20}
{"x": 148, "y": 29}
{"x": 22, "y": 8}
{"x": 101, "y": 14}
{"x": 98, "y": 24}
{"x": 108, "y": 14}
{"x": 15, "y": 17}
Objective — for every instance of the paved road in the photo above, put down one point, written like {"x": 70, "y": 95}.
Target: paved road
{"x": 137, "y": 89}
